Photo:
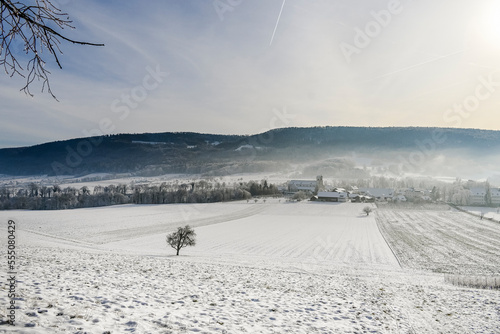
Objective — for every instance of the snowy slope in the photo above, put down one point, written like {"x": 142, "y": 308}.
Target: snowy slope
{"x": 295, "y": 233}
{"x": 271, "y": 267}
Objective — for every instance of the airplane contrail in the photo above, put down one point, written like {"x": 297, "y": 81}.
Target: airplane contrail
{"x": 416, "y": 65}
{"x": 277, "y": 22}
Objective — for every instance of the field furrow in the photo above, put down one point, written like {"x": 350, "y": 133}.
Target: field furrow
{"x": 442, "y": 241}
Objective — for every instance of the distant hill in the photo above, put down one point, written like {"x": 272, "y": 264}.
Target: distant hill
{"x": 155, "y": 153}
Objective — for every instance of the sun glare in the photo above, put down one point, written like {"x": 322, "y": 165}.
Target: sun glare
{"x": 490, "y": 25}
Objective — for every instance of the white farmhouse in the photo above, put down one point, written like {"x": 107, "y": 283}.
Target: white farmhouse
{"x": 477, "y": 196}
{"x": 495, "y": 196}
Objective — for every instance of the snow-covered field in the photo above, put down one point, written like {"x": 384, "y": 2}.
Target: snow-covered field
{"x": 274, "y": 267}
{"x": 488, "y": 212}
{"x": 446, "y": 241}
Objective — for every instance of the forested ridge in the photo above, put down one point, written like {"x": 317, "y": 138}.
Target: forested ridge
{"x": 156, "y": 153}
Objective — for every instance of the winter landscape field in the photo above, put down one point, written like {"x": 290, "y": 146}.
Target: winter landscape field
{"x": 265, "y": 267}
{"x": 333, "y": 166}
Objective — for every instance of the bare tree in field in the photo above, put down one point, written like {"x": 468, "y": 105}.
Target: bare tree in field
{"x": 185, "y": 236}
{"x": 367, "y": 210}
{"x": 35, "y": 25}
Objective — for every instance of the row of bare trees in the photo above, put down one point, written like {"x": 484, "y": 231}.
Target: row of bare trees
{"x": 57, "y": 198}
{"x": 37, "y": 197}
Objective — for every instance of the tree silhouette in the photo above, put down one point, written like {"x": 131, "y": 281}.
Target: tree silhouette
{"x": 367, "y": 210}
{"x": 185, "y": 236}
{"x": 31, "y": 24}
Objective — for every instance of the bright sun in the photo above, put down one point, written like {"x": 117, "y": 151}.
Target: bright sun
{"x": 489, "y": 29}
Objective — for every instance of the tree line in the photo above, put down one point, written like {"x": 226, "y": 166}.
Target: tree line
{"x": 37, "y": 197}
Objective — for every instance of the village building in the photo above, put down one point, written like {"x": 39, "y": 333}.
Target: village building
{"x": 306, "y": 185}
{"x": 412, "y": 194}
{"x": 380, "y": 194}
{"x": 399, "y": 198}
{"x": 354, "y": 189}
{"x": 331, "y": 196}
{"x": 477, "y": 196}
{"x": 495, "y": 196}
{"x": 357, "y": 198}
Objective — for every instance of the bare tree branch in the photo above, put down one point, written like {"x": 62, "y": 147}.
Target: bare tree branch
{"x": 30, "y": 25}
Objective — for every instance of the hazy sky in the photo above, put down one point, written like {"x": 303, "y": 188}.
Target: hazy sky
{"x": 231, "y": 67}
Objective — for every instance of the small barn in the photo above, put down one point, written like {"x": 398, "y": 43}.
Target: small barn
{"x": 332, "y": 196}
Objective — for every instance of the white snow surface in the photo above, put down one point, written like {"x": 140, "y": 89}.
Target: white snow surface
{"x": 488, "y": 212}
{"x": 274, "y": 267}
